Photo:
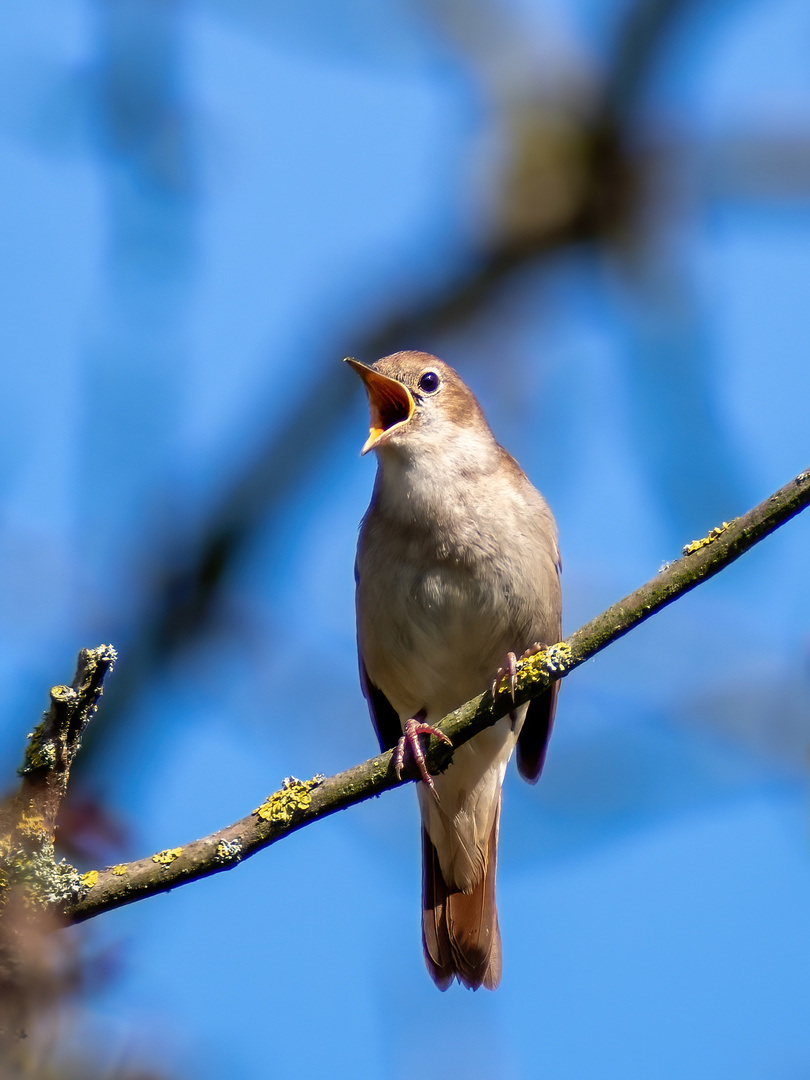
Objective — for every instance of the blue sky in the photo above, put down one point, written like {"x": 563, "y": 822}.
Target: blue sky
{"x": 204, "y": 208}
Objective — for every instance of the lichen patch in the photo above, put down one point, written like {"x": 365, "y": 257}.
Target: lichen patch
{"x": 293, "y": 797}
{"x": 696, "y": 545}
{"x": 165, "y": 858}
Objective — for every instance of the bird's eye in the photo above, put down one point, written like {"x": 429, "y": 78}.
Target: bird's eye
{"x": 429, "y": 382}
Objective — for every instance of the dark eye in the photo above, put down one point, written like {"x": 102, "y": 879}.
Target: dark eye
{"x": 429, "y": 382}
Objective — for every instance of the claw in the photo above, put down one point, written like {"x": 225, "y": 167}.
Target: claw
{"x": 509, "y": 671}
{"x": 533, "y": 650}
{"x": 413, "y": 729}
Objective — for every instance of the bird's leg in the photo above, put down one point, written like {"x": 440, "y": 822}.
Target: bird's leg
{"x": 415, "y": 727}
{"x": 509, "y": 671}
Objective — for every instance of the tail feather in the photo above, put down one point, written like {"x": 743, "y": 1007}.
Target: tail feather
{"x": 460, "y": 932}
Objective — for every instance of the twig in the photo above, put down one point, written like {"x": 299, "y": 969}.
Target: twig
{"x": 28, "y": 873}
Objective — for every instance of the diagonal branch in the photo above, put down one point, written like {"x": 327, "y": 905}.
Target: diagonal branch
{"x": 299, "y": 803}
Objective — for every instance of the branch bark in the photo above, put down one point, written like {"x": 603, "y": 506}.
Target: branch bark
{"x": 28, "y": 819}
{"x": 298, "y": 803}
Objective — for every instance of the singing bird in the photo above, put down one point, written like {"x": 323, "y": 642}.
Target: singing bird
{"x": 457, "y": 573}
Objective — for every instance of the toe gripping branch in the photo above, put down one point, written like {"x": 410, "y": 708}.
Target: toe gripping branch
{"x": 509, "y": 672}
{"x": 415, "y": 727}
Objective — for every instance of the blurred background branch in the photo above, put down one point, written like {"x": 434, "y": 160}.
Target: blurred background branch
{"x": 579, "y": 166}
{"x": 572, "y": 173}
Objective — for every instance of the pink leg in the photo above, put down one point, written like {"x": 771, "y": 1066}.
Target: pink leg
{"x": 415, "y": 727}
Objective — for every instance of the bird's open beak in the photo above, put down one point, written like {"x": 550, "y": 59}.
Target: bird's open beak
{"x": 390, "y": 402}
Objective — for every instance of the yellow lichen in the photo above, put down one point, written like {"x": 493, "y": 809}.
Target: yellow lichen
{"x": 228, "y": 850}
{"x": 167, "y": 856}
{"x": 553, "y": 659}
{"x": 119, "y": 870}
{"x": 282, "y": 805}
{"x": 696, "y": 545}
{"x": 90, "y": 878}
{"x": 32, "y": 825}
{"x": 558, "y": 657}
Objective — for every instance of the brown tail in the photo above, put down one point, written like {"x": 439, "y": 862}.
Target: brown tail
{"x": 460, "y": 933}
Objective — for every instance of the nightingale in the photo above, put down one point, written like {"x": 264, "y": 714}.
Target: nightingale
{"x": 457, "y": 573}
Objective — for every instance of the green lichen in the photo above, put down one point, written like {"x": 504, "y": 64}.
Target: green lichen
{"x": 294, "y": 797}
{"x": 40, "y": 753}
{"x": 42, "y": 882}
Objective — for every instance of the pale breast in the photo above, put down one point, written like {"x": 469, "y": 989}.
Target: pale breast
{"x": 435, "y": 621}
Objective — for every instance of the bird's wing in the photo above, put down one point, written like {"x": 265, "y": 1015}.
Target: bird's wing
{"x": 384, "y": 716}
{"x": 536, "y": 731}
{"x": 534, "y": 735}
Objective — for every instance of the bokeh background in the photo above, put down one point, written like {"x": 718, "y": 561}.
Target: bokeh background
{"x": 600, "y": 214}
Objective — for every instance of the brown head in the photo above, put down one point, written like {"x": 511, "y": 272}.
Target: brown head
{"x": 417, "y": 401}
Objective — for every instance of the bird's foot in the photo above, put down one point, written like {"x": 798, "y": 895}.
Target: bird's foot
{"x": 415, "y": 727}
{"x": 509, "y": 672}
